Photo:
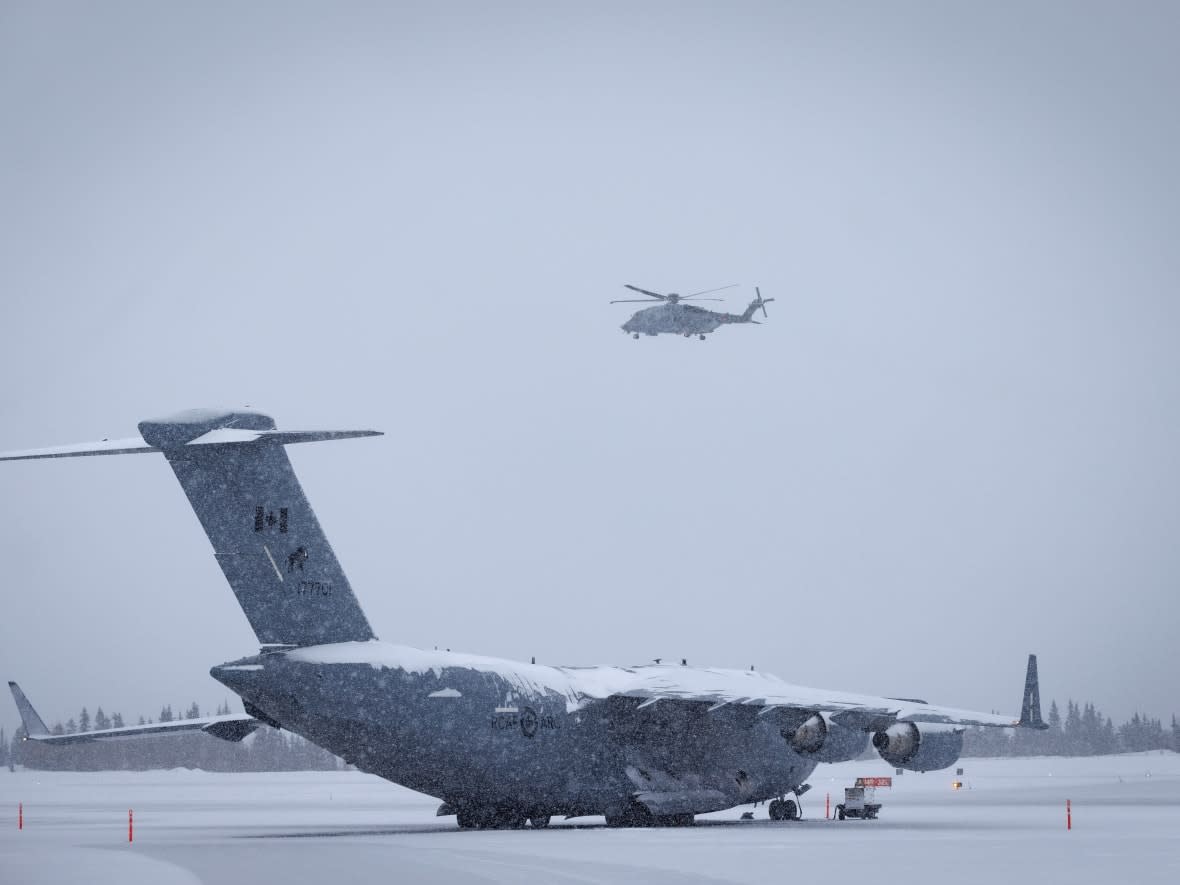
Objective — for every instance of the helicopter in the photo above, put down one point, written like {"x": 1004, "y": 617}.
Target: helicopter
{"x": 670, "y": 315}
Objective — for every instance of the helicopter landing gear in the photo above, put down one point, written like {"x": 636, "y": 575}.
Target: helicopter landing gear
{"x": 702, "y": 336}
{"x": 635, "y": 335}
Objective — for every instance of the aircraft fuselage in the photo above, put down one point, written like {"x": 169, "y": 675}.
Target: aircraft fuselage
{"x": 515, "y": 735}
{"x": 679, "y": 319}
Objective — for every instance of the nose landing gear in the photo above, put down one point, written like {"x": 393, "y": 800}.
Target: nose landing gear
{"x": 783, "y": 809}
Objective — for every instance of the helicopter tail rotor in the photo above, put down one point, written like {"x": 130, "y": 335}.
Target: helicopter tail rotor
{"x": 761, "y": 302}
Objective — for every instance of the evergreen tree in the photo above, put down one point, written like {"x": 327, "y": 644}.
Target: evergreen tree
{"x": 3, "y": 748}
{"x": 101, "y": 722}
{"x": 84, "y": 721}
{"x": 1091, "y": 730}
{"x": 166, "y": 713}
{"x": 117, "y": 720}
{"x": 57, "y": 729}
{"x": 1131, "y": 734}
{"x": 1072, "y": 729}
{"x": 71, "y": 727}
{"x": 16, "y": 748}
{"x": 193, "y": 712}
{"x": 1110, "y": 740}
{"x": 1054, "y": 739}
{"x": 1175, "y": 734}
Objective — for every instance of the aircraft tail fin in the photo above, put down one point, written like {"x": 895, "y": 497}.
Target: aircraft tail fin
{"x": 265, "y": 535}
{"x": 28, "y": 716}
{"x": 1030, "y": 709}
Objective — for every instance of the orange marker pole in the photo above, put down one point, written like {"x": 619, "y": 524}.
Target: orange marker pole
{"x": 1068, "y": 816}
{"x": 20, "y": 816}
{"x": 130, "y": 826}
{"x": 828, "y": 806}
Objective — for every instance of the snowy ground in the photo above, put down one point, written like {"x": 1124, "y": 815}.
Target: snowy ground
{"x": 1007, "y": 823}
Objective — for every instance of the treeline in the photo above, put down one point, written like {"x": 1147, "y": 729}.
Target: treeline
{"x": 266, "y": 750}
{"x": 1083, "y": 732}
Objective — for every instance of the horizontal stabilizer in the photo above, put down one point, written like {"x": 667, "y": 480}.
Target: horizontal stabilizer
{"x": 228, "y": 435}
{"x": 131, "y": 446}
{"x": 227, "y": 728}
{"x": 232, "y": 730}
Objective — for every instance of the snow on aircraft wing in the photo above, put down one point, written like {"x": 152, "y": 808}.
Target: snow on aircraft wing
{"x": 669, "y": 683}
{"x": 228, "y": 728}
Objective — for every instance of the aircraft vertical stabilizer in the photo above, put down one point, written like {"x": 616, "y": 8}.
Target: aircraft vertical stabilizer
{"x": 1030, "y": 710}
{"x": 265, "y": 536}
{"x": 28, "y": 716}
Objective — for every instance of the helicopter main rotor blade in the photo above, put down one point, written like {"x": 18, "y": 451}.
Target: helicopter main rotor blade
{"x": 636, "y": 301}
{"x": 645, "y": 291}
{"x": 707, "y": 291}
{"x": 691, "y": 298}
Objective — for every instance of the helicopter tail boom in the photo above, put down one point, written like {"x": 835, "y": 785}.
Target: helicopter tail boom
{"x": 758, "y": 302}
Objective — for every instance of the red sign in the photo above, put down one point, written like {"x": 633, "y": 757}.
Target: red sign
{"x": 874, "y": 782}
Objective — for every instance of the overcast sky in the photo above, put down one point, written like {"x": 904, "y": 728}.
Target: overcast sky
{"x": 954, "y": 440}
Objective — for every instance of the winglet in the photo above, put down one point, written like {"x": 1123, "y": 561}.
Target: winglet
{"x": 1030, "y": 710}
{"x": 34, "y": 727}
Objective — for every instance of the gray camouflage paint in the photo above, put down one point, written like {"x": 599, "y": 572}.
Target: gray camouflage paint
{"x": 489, "y": 746}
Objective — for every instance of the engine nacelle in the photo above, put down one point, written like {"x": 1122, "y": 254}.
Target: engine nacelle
{"x": 919, "y": 746}
{"x": 820, "y": 739}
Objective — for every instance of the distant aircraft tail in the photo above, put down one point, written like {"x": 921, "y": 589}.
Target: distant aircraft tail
{"x": 28, "y": 716}
{"x": 758, "y": 302}
{"x": 1030, "y": 709}
{"x": 265, "y": 536}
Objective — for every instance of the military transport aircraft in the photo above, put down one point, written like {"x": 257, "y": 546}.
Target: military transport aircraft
{"x": 671, "y": 316}
{"x": 501, "y": 743}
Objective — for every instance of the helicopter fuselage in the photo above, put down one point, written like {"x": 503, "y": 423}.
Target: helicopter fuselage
{"x": 678, "y": 319}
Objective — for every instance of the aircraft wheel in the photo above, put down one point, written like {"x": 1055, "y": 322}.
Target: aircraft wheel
{"x": 635, "y": 815}
{"x": 775, "y": 809}
{"x": 508, "y": 819}
{"x": 635, "y": 335}
{"x": 702, "y": 337}
{"x": 674, "y": 820}
{"x": 840, "y": 812}
{"x": 790, "y": 810}
{"x": 540, "y": 821}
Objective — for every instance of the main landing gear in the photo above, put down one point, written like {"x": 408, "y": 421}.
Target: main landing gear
{"x": 499, "y": 819}
{"x": 637, "y": 815}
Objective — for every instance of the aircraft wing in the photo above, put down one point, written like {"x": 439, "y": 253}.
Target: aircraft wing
{"x": 227, "y": 728}
{"x": 770, "y": 696}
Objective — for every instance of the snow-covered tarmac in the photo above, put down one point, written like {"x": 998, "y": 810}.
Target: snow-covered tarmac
{"x": 1007, "y": 823}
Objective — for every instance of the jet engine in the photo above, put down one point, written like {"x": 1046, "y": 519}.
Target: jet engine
{"x": 821, "y": 739}
{"x": 919, "y": 746}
